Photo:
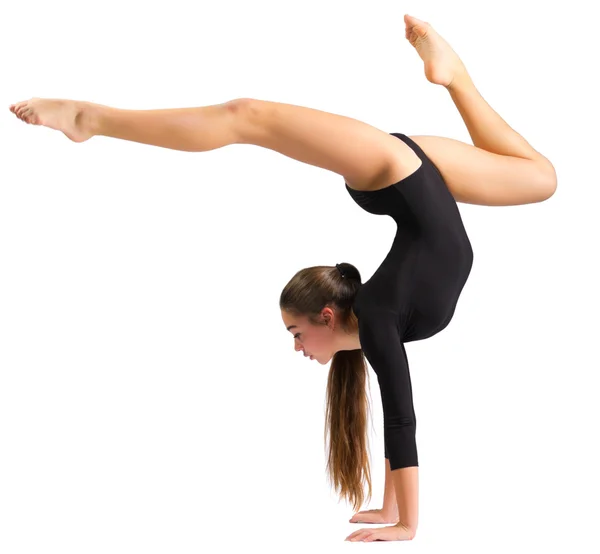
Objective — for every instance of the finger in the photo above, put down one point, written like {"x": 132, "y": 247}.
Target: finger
{"x": 376, "y": 534}
{"x": 358, "y": 517}
{"x": 364, "y": 536}
{"x": 357, "y": 535}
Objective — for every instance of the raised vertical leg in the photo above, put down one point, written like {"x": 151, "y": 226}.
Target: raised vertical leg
{"x": 502, "y": 168}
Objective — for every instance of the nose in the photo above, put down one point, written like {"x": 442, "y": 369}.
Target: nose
{"x": 297, "y": 347}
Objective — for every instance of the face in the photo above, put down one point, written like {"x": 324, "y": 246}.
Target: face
{"x": 312, "y": 340}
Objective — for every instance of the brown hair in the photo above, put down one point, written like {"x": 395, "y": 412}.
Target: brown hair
{"x": 346, "y": 415}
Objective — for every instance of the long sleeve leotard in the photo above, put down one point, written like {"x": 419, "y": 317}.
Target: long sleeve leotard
{"x": 413, "y": 293}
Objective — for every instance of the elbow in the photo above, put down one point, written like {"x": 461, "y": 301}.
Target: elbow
{"x": 400, "y": 421}
{"x": 409, "y": 532}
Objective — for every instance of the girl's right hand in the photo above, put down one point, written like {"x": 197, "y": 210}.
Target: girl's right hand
{"x": 374, "y": 516}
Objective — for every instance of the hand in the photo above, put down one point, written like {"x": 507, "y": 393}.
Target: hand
{"x": 374, "y": 516}
{"x": 396, "y": 532}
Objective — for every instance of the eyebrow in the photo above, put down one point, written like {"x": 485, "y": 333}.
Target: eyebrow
{"x": 291, "y": 327}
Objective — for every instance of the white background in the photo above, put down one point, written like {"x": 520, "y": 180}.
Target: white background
{"x": 150, "y": 396}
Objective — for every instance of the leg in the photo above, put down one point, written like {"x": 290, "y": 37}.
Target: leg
{"x": 187, "y": 129}
{"x": 501, "y": 168}
{"x": 476, "y": 176}
{"x": 364, "y": 155}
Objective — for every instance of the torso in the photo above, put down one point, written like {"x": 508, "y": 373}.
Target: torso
{"x": 430, "y": 259}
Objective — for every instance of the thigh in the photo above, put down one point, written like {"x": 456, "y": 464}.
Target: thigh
{"x": 365, "y": 156}
{"x": 476, "y": 176}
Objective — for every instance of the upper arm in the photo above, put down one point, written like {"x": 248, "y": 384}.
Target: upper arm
{"x": 382, "y": 345}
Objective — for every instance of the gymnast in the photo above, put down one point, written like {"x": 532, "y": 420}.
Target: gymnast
{"x": 332, "y": 315}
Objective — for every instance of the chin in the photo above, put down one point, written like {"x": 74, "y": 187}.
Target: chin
{"x": 321, "y": 359}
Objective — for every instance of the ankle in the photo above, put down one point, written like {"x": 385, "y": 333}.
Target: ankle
{"x": 461, "y": 81}
{"x": 90, "y": 117}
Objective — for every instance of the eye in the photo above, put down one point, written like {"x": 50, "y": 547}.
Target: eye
{"x": 296, "y": 335}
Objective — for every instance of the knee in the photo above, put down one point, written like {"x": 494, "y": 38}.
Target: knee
{"x": 549, "y": 180}
{"x": 249, "y": 109}
{"x": 248, "y": 115}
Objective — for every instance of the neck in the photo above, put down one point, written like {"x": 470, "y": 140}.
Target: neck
{"x": 345, "y": 341}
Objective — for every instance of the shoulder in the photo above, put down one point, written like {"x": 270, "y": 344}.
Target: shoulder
{"x": 376, "y": 323}
{"x": 381, "y": 337}
{"x": 376, "y": 311}
{"x": 376, "y": 320}
{"x": 368, "y": 300}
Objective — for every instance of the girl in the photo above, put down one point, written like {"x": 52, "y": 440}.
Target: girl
{"x": 334, "y": 317}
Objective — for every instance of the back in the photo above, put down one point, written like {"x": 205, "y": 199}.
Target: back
{"x": 430, "y": 259}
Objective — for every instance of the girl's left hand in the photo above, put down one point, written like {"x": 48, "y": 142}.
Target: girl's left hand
{"x": 396, "y": 532}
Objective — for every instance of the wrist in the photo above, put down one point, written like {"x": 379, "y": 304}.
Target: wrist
{"x": 411, "y": 531}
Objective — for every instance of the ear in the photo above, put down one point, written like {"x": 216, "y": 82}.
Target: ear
{"x": 327, "y": 315}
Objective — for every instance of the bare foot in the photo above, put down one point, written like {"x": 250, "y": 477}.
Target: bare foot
{"x": 443, "y": 66}
{"x": 69, "y": 116}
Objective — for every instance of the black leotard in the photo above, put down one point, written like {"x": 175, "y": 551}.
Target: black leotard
{"x": 413, "y": 293}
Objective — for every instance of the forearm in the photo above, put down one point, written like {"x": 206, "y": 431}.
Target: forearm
{"x": 406, "y": 485}
{"x": 390, "y": 505}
